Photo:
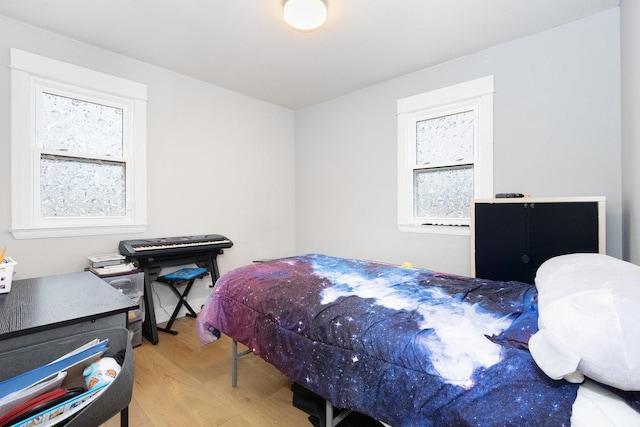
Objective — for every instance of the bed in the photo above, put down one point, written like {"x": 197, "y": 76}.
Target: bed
{"x": 408, "y": 347}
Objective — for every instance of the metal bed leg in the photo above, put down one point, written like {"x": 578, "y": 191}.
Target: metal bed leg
{"x": 329, "y": 421}
{"x": 234, "y": 363}
{"x": 328, "y": 414}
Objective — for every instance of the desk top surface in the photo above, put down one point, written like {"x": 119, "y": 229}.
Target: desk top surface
{"x": 53, "y": 301}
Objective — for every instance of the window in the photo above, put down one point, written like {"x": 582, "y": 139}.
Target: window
{"x": 445, "y": 156}
{"x": 78, "y": 144}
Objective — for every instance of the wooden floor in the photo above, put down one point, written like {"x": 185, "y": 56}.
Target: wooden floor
{"x": 178, "y": 383}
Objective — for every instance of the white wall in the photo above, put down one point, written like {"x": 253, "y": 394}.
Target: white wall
{"x": 557, "y": 133}
{"x": 224, "y": 163}
{"x": 630, "y": 43}
{"x": 218, "y": 162}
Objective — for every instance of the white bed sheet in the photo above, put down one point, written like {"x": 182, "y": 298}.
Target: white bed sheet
{"x": 598, "y": 407}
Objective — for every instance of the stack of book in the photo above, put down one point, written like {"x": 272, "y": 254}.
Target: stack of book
{"x": 110, "y": 265}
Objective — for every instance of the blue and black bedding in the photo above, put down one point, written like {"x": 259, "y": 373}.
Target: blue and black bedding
{"x": 405, "y": 346}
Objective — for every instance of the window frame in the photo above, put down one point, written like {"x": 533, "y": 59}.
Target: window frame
{"x": 474, "y": 95}
{"x": 33, "y": 74}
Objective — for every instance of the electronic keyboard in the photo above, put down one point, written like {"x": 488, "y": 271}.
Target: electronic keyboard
{"x": 168, "y": 246}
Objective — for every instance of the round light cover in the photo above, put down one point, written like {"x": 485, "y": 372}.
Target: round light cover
{"x": 305, "y": 14}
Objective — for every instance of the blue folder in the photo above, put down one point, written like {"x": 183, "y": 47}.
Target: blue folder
{"x": 28, "y": 378}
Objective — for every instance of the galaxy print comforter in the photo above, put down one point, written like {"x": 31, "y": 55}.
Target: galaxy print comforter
{"x": 405, "y": 346}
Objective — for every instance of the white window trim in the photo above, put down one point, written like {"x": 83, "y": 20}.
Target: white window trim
{"x": 27, "y": 71}
{"x": 475, "y": 93}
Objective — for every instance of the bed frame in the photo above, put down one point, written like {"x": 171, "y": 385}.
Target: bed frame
{"x": 330, "y": 420}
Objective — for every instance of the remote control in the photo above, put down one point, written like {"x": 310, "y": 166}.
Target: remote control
{"x": 509, "y": 195}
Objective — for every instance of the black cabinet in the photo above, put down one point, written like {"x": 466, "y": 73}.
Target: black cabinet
{"x": 511, "y": 238}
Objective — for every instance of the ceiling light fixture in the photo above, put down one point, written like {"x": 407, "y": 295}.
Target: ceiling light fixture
{"x": 305, "y": 15}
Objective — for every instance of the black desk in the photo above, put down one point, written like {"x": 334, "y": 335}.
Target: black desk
{"x": 47, "y": 303}
{"x": 43, "y": 318}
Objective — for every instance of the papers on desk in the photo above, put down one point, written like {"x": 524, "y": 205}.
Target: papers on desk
{"x": 106, "y": 260}
{"x": 110, "y": 265}
{"x": 111, "y": 270}
{"x": 65, "y": 372}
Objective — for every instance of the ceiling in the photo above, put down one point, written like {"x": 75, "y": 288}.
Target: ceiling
{"x": 245, "y": 46}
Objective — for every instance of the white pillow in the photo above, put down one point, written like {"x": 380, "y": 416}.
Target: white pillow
{"x": 589, "y": 320}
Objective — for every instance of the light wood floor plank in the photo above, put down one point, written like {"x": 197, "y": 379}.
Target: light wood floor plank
{"x": 178, "y": 383}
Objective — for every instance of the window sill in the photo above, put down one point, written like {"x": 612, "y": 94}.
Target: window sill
{"x": 43, "y": 233}
{"x": 454, "y": 230}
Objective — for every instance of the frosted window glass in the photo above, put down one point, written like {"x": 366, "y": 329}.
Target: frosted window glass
{"x": 444, "y": 192}
{"x": 445, "y": 139}
{"x": 77, "y": 188}
{"x": 70, "y": 124}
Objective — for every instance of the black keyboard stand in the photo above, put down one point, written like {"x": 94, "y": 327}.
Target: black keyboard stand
{"x": 152, "y": 266}
{"x": 173, "y": 285}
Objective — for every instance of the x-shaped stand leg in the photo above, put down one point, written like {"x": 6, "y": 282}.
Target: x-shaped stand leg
{"x": 182, "y": 302}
